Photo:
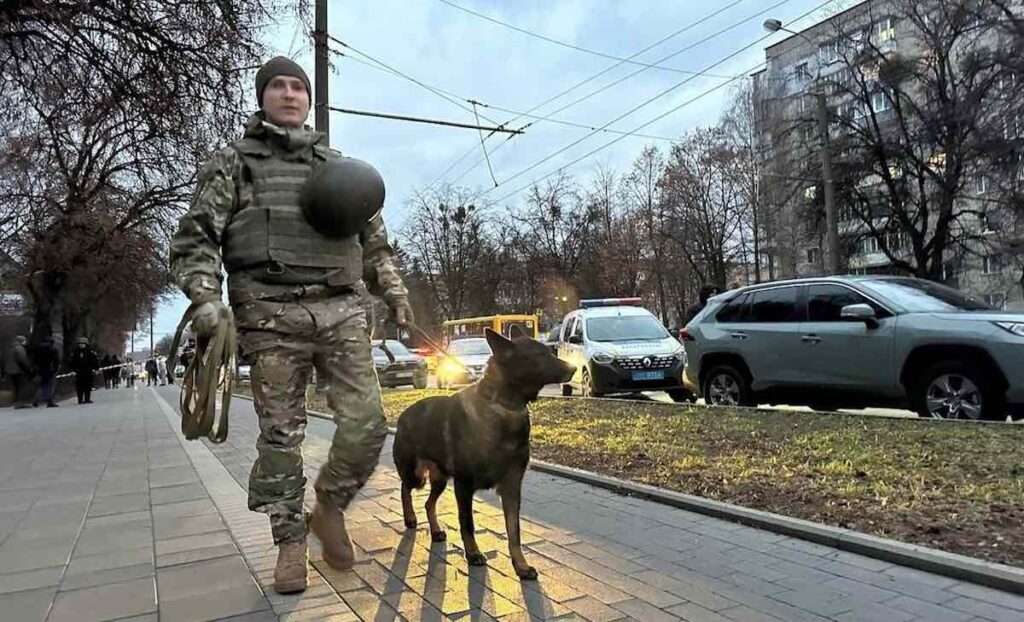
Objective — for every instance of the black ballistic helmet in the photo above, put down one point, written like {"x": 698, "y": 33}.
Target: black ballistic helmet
{"x": 341, "y": 196}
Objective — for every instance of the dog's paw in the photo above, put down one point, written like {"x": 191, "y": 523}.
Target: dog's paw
{"x": 476, "y": 559}
{"x": 527, "y": 574}
{"x": 438, "y": 536}
{"x": 410, "y": 523}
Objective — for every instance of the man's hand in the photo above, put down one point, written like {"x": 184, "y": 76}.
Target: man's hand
{"x": 403, "y": 313}
{"x": 207, "y": 318}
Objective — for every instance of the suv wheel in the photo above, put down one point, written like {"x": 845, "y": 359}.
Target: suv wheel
{"x": 956, "y": 390}
{"x": 587, "y": 386}
{"x": 419, "y": 382}
{"x": 726, "y": 386}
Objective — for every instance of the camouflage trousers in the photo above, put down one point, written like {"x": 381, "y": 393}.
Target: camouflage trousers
{"x": 285, "y": 341}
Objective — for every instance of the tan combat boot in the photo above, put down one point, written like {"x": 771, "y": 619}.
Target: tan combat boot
{"x": 328, "y": 524}
{"x": 290, "y": 572}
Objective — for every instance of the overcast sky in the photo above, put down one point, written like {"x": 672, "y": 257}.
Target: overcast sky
{"x": 472, "y": 58}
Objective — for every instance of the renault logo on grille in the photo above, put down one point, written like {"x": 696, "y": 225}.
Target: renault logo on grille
{"x": 647, "y": 361}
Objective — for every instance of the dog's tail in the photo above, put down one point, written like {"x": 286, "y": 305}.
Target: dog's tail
{"x": 405, "y": 460}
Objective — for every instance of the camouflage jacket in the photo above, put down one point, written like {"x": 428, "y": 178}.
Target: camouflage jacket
{"x": 196, "y": 262}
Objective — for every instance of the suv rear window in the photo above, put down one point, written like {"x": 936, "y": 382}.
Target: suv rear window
{"x": 733, "y": 310}
{"x": 774, "y": 305}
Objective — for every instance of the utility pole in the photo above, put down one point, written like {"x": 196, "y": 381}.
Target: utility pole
{"x": 831, "y": 219}
{"x": 151, "y": 332}
{"x": 322, "y": 118}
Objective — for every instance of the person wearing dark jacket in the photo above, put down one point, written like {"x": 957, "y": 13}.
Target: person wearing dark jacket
{"x": 84, "y": 362}
{"x": 18, "y": 368}
{"x": 46, "y": 359}
{"x": 151, "y": 371}
{"x": 115, "y": 372}
{"x": 705, "y": 292}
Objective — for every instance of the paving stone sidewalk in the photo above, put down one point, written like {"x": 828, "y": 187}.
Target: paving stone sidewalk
{"x": 605, "y": 557}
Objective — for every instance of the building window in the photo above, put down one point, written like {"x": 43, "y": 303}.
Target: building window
{"x": 996, "y": 301}
{"x": 829, "y": 53}
{"x": 880, "y": 102}
{"x": 985, "y": 223}
{"x": 980, "y": 184}
{"x": 884, "y": 30}
{"x": 801, "y": 74}
{"x": 813, "y": 255}
{"x": 869, "y": 245}
{"x": 897, "y": 241}
{"x": 990, "y": 264}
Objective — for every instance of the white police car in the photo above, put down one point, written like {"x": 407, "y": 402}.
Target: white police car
{"x": 619, "y": 347}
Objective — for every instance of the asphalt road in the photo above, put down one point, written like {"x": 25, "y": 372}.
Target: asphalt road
{"x": 555, "y": 390}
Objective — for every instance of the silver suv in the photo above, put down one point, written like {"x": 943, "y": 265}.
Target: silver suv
{"x": 855, "y": 342}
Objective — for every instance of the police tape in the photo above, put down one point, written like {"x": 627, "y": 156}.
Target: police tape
{"x": 105, "y": 368}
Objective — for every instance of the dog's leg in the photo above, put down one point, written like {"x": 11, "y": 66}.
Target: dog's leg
{"x": 510, "y": 492}
{"x": 437, "y": 486}
{"x": 408, "y": 513}
{"x": 464, "y": 497}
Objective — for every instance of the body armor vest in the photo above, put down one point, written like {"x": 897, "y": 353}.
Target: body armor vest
{"x": 270, "y": 230}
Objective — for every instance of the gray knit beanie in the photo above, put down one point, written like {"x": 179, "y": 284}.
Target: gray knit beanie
{"x": 279, "y": 66}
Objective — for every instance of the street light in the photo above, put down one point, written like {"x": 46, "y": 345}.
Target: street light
{"x": 831, "y": 219}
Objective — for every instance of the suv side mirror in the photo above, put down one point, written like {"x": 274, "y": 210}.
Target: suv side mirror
{"x": 860, "y": 313}
{"x": 576, "y": 339}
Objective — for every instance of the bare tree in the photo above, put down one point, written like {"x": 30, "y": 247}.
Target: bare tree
{"x": 446, "y": 238}
{"x": 918, "y": 123}
{"x": 110, "y": 107}
{"x": 707, "y": 207}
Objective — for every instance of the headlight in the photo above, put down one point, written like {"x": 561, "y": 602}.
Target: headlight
{"x": 602, "y": 358}
{"x": 1017, "y": 328}
{"x": 448, "y": 369}
{"x": 679, "y": 354}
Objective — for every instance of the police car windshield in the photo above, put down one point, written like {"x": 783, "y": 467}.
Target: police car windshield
{"x": 469, "y": 347}
{"x": 625, "y": 328}
{"x": 397, "y": 348}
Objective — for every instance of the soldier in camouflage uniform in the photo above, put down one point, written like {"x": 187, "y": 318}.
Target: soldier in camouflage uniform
{"x": 297, "y": 307}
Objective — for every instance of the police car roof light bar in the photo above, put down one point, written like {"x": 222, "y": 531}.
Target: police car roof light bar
{"x": 609, "y": 302}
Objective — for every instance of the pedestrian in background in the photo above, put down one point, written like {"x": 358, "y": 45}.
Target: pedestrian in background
{"x": 151, "y": 372}
{"x": 46, "y": 360}
{"x": 161, "y": 370}
{"x": 129, "y": 373}
{"x": 18, "y": 368}
{"x": 84, "y": 362}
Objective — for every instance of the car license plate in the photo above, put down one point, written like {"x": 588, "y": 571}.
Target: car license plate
{"x": 404, "y": 374}
{"x": 648, "y": 375}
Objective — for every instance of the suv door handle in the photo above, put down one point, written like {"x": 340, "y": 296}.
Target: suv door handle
{"x": 738, "y": 335}
{"x": 810, "y": 339}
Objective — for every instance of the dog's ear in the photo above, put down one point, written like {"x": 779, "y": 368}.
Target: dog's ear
{"x": 499, "y": 345}
{"x": 517, "y": 332}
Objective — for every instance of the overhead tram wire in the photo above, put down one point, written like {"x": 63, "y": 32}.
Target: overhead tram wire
{"x": 643, "y": 104}
{"x": 572, "y": 46}
{"x": 491, "y": 106}
{"x": 643, "y": 69}
{"x": 585, "y": 81}
{"x": 613, "y": 141}
{"x": 435, "y": 91}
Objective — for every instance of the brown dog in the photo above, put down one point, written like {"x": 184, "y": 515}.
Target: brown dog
{"x": 479, "y": 436}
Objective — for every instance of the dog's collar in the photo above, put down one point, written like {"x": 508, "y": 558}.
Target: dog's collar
{"x": 489, "y": 392}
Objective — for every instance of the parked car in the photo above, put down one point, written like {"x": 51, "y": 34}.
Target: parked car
{"x": 856, "y": 342}
{"x": 470, "y": 361}
{"x": 551, "y": 338}
{"x": 402, "y": 367}
{"x": 618, "y": 346}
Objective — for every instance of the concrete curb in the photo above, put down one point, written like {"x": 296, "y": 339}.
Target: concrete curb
{"x": 998, "y": 576}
